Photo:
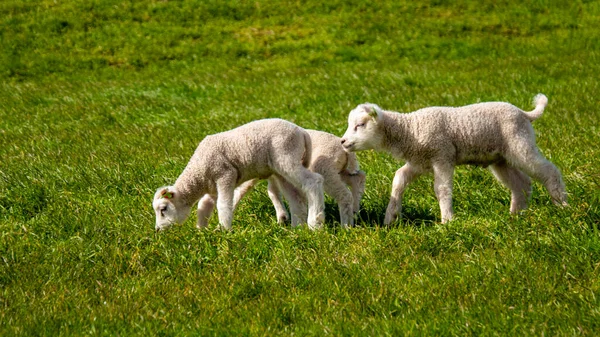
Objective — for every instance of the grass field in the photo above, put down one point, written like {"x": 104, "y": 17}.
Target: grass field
{"x": 103, "y": 101}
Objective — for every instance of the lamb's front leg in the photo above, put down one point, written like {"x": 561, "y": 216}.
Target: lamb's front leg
{"x": 241, "y": 191}
{"x": 442, "y": 183}
{"x": 205, "y": 208}
{"x": 225, "y": 191}
{"x": 403, "y": 177}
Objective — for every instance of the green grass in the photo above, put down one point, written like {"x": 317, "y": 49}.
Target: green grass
{"x": 101, "y": 102}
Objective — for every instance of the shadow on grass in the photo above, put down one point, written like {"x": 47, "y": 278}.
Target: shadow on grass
{"x": 417, "y": 217}
{"x": 369, "y": 217}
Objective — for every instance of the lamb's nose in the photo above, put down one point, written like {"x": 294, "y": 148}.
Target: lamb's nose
{"x": 343, "y": 141}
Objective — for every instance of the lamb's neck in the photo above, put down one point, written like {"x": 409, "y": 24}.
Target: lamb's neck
{"x": 191, "y": 185}
{"x": 395, "y": 131}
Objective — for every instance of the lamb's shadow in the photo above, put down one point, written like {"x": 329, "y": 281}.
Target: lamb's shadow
{"x": 368, "y": 217}
{"x": 373, "y": 216}
{"x": 417, "y": 217}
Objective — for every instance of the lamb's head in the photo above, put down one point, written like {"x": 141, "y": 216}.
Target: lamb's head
{"x": 363, "y": 130}
{"x": 169, "y": 207}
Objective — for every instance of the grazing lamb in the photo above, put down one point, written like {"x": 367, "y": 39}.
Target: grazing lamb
{"x": 260, "y": 149}
{"x": 439, "y": 138}
{"x": 339, "y": 170}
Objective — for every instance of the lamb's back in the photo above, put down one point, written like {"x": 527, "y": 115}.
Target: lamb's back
{"x": 471, "y": 134}
{"x": 247, "y": 148}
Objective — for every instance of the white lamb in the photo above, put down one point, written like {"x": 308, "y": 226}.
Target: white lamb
{"x": 439, "y": 138}
{"x": 339, "y": 169}
{"x": 260, "y": 149}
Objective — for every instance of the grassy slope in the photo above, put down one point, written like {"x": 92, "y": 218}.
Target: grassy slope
{"x": 103, "y": 101}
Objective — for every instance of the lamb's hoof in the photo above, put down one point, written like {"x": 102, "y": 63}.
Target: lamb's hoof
{"x": 518, "y": 212}
{"x": 317, "y": 222}
{"x": 390, "y": 219}
{"x": 560, "y": 203}
{"x": 446, "y": 220}
{"x": 315, "y": 225}
{"x": 283, "y": 219}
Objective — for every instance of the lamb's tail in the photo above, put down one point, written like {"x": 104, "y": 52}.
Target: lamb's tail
{"x": 540, "y": 101}
{"x": 352, "y": 166}
{"x": 307, "y": 149}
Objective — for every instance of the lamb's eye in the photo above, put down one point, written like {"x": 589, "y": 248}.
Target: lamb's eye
{"x": 359, "y": 126}
{"x": 163, "y": 210}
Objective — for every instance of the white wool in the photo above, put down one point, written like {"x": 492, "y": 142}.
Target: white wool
{"x": 223, "y": 161}
{"x": 340, "y": 171}
{"x": 494, "y": 134}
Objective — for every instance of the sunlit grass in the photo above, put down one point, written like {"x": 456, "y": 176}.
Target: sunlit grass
{"x": 101, "y": 102}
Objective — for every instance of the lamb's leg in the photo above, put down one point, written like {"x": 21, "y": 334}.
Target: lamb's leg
{"x": 529, "y": 160}
{"x": 335, "y": 187}
{"x": 518, "y": 183}
{"x": 289, "y": 165}
{"x": 274, "y": 193}
{"x": 296, "y": 200}
{"x": 225, "y": 191}
{"x": 356, "y": 181}
{"x": 241, "y": 191}
{"x": 311, "y": 184}
{"x": 442, "y": 183}
{"x": 403, "y": 177}
{"x": 205, "y": 209}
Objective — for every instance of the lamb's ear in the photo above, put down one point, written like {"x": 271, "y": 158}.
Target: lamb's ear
{"x": 372, "y": 110}
{"x": 166, "y": 193}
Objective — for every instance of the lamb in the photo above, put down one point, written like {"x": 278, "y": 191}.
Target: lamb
{"x": 340, "y": 170}
{"x": 223, "y": 161}
{"x": 494, "y": 134}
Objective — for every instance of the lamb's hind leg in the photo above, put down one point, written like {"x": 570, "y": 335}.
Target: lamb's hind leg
{"x": 356, "y": 181}
{"x": 529, "y": 160}
{"x": 402, "y": 178}
{"x": 335, "y": 187}
{"x": 289, "y": 165}
{"x": 295, "y": 198}
{"x": 518, "y": 183}
{"x": 311, "y": 185}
